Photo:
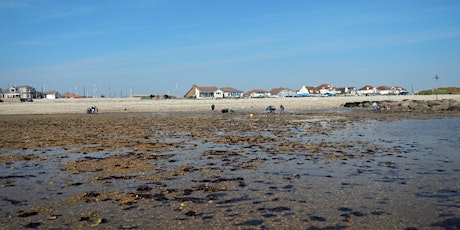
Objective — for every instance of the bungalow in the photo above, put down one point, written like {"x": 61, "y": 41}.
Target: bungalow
{"x": 52, "y": 94}
{"x": 384, "y": 90}
{"x": 229, "y": 92}
{"x": 399, "y": 90}
{"x": 366, "y": 90}
{"x": 349, "y": 90}
{"x": 305, "y": 91}
{"x": 70, "y": 95}
{"x": 204, "y": 92}
{"x": 256, "y": 93}
{"x": 282, "y": 92}
{"x": 327, "y": 90}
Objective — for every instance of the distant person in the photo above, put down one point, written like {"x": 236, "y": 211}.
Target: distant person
{"x": 213, "y": 107}
{"x": 375, "y": 106}
{"x": 387, "y": 106}
{"x": 270, "y": 109}
{"x": 281, "y": 109}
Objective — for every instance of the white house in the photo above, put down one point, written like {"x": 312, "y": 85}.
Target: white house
{"x": 202, "y": 92}
{"x": 366, "y": 90}
{"x": 22, "y": 92}
{"x": 11, "y": 92}
{"x": 218, "y": 93}
{"x": 53, "y": 94}
{"x": 398, "y": 90}
{"x": 256, "y": 93}
{"x": 327, "y": 90}
{"x": 384, "y": 90}
{"x": 229, "y": 92}
{"x": 306, "y": 91}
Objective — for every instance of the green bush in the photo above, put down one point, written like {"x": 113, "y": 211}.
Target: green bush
{"x": 433, "y": 92}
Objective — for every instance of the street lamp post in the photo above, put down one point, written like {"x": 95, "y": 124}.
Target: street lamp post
{"x": 436, "y": 78}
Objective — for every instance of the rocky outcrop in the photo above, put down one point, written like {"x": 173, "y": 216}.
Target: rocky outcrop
{"x": 409, "y": 105}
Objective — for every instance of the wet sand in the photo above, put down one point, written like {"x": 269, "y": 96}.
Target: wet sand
{"x": 208, "y": 170}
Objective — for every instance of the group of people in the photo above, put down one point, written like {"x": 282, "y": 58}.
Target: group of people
{"x": 92, "y": 110}
{"x": 376, "y": 106}
{"x": 271, "y": 109}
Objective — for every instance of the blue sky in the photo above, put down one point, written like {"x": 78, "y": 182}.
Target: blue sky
{"x": 139, "y": 46}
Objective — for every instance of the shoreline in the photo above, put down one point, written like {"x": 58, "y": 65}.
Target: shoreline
{"x": 115, "y": 105}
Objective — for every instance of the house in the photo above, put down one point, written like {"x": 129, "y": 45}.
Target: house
{"x": 256, "y": 93}
{"x": 347, "y": 91}
{"x": 218, "y": 93}
{"x": 229, "y": 92}
{"x": 384, "y": 90}
{"x": 366, "y": 90}
{"x": 11, "y": 92}
{"x": 204, "y": 92}
{"x": 22, "y": 92}
{"x": 398, "y": 90}
{"x": 327, "y": 90}
{"x": 70, "y": 95}
{"x": 26, "y": 92}
{"x": 52, "y": 94}
{"x": 305, "y": 91}
{"x": 282, "y": 92}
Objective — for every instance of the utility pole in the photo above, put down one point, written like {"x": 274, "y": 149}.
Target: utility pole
{"x": 95, "y": 90}
{"x": 436, "y": 78}
{"x": 177, "y": 95}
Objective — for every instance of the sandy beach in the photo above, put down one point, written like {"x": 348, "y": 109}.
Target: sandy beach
{"x": 113, "y": 105}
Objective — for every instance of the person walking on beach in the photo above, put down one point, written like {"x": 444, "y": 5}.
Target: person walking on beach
{"x": 213, "y": 107}
{"x": 281, "y": 109}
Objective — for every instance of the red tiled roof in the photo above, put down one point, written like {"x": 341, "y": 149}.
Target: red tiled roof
{"x": 366, "y": 87}
{"x": 383, "y": 87}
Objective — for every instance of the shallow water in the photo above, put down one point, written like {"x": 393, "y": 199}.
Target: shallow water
{"x": 410, "y": 180}
{"x": 373, "y": 175}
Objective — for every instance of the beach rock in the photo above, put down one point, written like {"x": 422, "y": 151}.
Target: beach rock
{"x": 409, "y": 105}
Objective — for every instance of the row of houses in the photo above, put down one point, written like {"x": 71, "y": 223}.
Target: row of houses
{"x": 305, "y": 91}
{"x": 27, "y": 92}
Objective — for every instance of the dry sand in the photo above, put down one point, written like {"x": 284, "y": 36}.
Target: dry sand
{"x": 113, "y": 105}
{"x": 202, "y": 170}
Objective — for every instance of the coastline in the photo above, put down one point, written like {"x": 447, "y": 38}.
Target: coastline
{"x": 116, "y": 105}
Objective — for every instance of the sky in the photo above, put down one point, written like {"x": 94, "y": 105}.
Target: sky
{"x": 121, "y": 48}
